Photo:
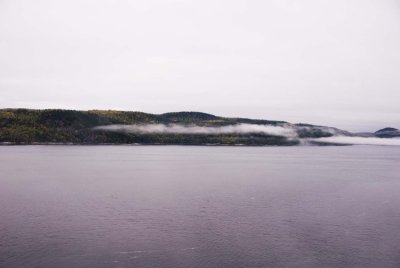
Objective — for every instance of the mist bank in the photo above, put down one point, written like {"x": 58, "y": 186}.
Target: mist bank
{"x": 332, "y": 136}
{"x": 242, "y": 129}
{"x": 357, "y": 140}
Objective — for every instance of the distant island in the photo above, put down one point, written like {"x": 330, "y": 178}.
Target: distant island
{"x": 55, "y": 126}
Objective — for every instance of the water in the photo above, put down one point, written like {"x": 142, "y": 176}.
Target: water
{"x": 171, "y": 206}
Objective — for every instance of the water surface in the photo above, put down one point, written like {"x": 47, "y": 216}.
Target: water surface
{"x": 188, "y": 206}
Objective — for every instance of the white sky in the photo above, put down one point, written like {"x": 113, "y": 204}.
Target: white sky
{"x": 333, "y": 62}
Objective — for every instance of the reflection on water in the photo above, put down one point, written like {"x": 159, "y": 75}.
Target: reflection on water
{"x": 171, "y": 206}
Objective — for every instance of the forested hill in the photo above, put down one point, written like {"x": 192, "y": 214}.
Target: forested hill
{"x": 27, "y": 126}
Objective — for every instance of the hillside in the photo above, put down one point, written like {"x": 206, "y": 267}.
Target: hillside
{"x": 387, "y": 132}
{"x": 27, "y": 126}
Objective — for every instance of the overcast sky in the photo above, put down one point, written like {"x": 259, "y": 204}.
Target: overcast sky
{"x": 333, "y": 62}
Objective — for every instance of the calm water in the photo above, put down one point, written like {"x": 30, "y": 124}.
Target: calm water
{"x": 171, "y": 206}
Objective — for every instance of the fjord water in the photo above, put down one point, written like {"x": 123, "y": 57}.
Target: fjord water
{"x": 176, "y": 206}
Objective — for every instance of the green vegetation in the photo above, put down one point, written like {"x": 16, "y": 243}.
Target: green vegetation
{"x": 26, "y": 126}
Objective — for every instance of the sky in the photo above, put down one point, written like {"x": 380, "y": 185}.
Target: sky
{"x": 326, "y": 62}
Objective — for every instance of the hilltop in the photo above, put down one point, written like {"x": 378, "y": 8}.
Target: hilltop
{"x": 387, "y": 132}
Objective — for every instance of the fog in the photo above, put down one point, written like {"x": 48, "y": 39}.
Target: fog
{"x": 286, "y": 130}
{"x": 193, "y": 129}
{"x": 360, "y": 140}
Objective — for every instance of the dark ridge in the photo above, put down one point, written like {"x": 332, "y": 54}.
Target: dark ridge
{"x": 386, "y": 129}
{"x": 186, "y": 116}
{"x": 387, "y": 132}
{"x": 259, "y": 121}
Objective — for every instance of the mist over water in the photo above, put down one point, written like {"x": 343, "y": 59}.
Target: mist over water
{"x": 193, "y": 129}
{"x": 286, "y": 130}
{"x": 359, "y": 140}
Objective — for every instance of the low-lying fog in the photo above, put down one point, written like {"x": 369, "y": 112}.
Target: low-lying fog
{"x": 288, "y": 131}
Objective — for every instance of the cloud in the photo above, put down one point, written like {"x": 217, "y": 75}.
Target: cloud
{"x": 286, "y": 130}
{"x": 359, "y": 140}
{"x": 192, "y": 129}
